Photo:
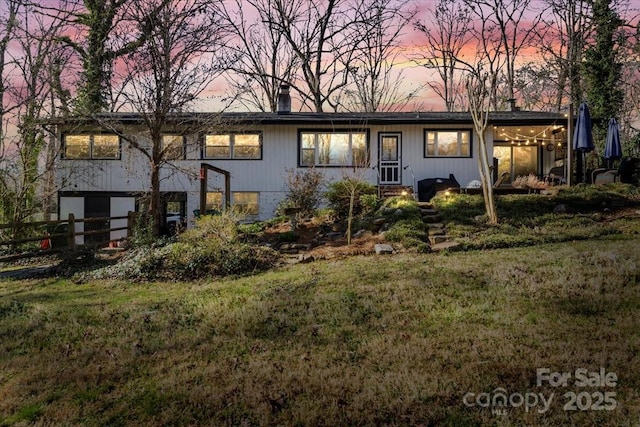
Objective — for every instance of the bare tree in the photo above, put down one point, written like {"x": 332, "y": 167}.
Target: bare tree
{"x": 447, "y": 33}
{"x": 504, "y": 31}
{"x": 176, "y": 64}
{"x": 262, "y": 57}
{"x": 630, "y": 113}
{"x": 561, "y": 42}
{"x": 377, "y": 86}
{"x": 536, "y": 86}
{"x": 7, "y": 25}
{"x": 33, "y": 51}
{"x": 322, "y": 35}
{"x": 478, "y": 89}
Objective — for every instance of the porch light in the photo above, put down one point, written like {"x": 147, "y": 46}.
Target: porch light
{"x": 201, "y": 174}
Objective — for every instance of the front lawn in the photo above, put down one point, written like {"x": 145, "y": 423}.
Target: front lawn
{"x": 399, "y": 340}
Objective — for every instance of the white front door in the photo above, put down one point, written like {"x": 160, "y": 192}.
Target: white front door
{"x": 389, "y": 158}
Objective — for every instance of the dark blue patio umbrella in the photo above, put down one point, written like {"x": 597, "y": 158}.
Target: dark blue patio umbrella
{"x": 582, "y": 139}
{"x": 612, "y": 146}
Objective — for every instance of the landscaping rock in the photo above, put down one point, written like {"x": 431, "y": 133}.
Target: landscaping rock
{"x": 480, "y": 219}
{"x": 444, "y": 246}
{"x": 424, "y": 212}
{"x": 359, "y": 233}
{"x": 379, "y": 221}
{"x": 425, "y": 205}
{"x": 561, "y": 208}
{"x": 436, "y": 240}
{"x": 382, "y": 249}
{"x": 300, "y": 246}
{"x": 430, "y": 219}
{"x": 397, "y": 212}
{"x": 335, "y": 235}
{"x": 303, "y": 259}
{"x": 436, "y": 231}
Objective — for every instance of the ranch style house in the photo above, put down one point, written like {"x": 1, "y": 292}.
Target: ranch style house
{"x": 243, "y": 158}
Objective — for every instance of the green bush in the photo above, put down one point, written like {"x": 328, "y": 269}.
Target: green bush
{"x": 410, "y": 233}
{"x": 339, "y": 193}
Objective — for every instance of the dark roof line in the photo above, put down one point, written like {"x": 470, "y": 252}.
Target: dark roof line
{"x": 497, "y": 117}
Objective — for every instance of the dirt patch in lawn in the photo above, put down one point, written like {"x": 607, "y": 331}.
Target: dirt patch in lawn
{"x": 320, "y": 240}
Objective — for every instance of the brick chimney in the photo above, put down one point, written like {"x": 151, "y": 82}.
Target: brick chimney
{"x": 284, "y": 99}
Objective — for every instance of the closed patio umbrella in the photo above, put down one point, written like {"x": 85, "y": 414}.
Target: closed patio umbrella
{"x": 612, "y": 146}
{"x": 582, "y": 139}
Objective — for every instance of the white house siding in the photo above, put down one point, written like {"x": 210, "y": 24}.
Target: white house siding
{"x": 131, "y": 174}
{"x": 120, "y": 206}
{"x": 75, "y": 206}
{"x": 280, "y": 150}
{"x": 465, "y": 169}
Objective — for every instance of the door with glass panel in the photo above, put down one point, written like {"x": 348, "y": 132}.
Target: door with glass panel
{"x": 389, "y": 159}
{"x": 518, "y": 161}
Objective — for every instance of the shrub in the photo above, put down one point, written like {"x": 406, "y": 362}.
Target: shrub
{"x": 303, "y": 191}
{"x": 408, "y": 232}
{"x": 339, "y": 193}
{"x": 212, "y": 248}
{"x": 529, "y": 181}
{"x": 369, "y": 203}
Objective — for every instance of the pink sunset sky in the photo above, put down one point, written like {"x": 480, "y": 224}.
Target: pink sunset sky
{"x": 414, "y": 77}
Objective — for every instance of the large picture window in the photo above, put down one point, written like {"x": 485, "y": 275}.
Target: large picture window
{"x": 91, "y": 146}
{"x": 447, "y": 143}
{"x": 233, "y": 146}
{"x": 341, "y": 148}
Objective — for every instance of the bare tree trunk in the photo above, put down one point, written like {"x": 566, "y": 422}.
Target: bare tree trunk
{"x": 479, "y": 84}
{"x": 155, "y": 199}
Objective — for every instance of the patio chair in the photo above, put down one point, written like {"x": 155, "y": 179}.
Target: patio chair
{"x": 556, "y": 176}
{"x": 503, "y": 176}
{"x": 627, "y": 172}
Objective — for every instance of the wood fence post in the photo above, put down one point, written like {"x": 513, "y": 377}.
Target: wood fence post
{"x": 130, "y": 223}
{"x": 72, "y": 232}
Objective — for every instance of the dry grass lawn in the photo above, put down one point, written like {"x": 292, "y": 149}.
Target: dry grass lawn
{"x": 397, "y": 340}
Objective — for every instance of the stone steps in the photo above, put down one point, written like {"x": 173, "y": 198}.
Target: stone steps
{"x": 437, "y": 233}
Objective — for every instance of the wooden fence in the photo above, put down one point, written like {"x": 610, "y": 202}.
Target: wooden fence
{"x": 50, "y": 242}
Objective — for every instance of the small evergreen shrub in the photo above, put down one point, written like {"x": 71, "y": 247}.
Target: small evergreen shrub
{"x": 338, "y": 195}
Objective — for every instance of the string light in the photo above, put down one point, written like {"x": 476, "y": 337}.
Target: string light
{"x": 538, "y": 138}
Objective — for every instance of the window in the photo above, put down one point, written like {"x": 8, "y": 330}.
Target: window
{"x": 244, "y": 202}
{"x": 447, "y": 143}
{"x": 333, "y": 148}
{"x": 214, "y": 201}
{"x": 233, "y": 146}
{"x": 173, "y": 147}
{"x": 91, "y": 146}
